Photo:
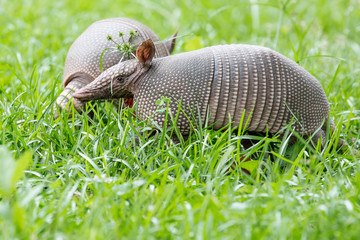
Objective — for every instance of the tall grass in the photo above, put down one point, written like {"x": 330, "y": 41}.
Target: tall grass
{"x": 109, "y": 177}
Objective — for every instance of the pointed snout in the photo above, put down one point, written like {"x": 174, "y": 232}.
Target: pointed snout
{"x": 98, "y": 89}
{"x": 84, "y": 95}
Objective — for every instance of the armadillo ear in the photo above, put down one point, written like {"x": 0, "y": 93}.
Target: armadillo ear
{"x": 146, "y": 52}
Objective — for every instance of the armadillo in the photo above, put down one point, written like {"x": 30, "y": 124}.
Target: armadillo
{"x": 82, "y": 63}
{"x": 219, "y": 84}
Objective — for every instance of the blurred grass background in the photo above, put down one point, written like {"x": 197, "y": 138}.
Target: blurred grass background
{"x": 297, "y": 29}
{"x": 78, "y": 184}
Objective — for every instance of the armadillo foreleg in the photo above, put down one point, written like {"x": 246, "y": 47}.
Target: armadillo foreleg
{"x": 78, "y": 81}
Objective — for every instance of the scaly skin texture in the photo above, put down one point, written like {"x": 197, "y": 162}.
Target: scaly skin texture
{"x": 230, "y": 79}
{"x": 82, "y": 63}
{"x": 222, "y": 82}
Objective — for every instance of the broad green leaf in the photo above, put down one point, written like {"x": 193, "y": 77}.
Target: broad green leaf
{"x": 250, "y": 165}
{"x": 7, "y": 167}
{"x": 10, "y": 170}
{"x": 20, "y": 167}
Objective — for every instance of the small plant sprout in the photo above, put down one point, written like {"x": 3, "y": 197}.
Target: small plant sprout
{"x": 127, "y": 48}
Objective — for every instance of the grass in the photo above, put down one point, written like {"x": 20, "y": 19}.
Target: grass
{"x": 77, "y": 178}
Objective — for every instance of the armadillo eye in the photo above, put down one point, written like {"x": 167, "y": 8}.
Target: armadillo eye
{"x": 120, "y": 79}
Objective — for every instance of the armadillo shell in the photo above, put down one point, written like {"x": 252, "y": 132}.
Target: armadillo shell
{"x": 84, "y": 54}
{"x": 82, "y": 63}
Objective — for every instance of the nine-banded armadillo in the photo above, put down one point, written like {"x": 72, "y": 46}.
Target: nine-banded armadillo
{"x": 222, "y": 81}
{"x": 82, "y": 63}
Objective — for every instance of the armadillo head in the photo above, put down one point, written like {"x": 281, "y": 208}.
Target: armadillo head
{"x": 119, "y": 81}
